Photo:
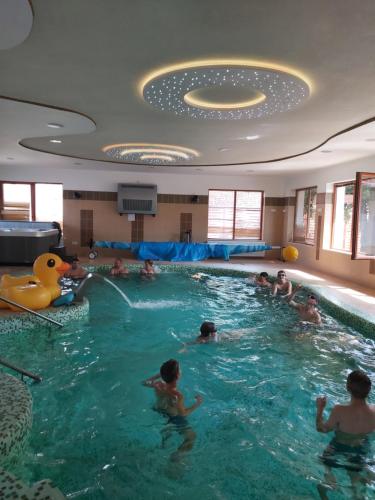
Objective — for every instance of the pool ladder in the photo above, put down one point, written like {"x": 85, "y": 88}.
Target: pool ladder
{"x": 21, "y": 371}
{"x": 15, "y": 304}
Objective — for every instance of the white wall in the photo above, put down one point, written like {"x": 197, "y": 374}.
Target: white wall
{"x": 101, "y": 180}
{"x": 329, "y": 175}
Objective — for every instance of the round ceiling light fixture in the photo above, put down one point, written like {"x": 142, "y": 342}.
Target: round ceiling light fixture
{"x": 149, "y": 153}
{"x": 264, "y": 88}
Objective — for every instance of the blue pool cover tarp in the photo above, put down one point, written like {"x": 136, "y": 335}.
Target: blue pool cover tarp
{"x": 174, "y": 252}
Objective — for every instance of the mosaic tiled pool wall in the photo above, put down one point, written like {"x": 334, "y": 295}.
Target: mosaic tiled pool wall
{"x": 347, "y": 317}
{"x": 10, "y": 487}
{"x": 11, "y": 322}
{"x": 15, "y": 415}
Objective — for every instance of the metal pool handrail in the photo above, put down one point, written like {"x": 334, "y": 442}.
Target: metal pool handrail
{"x": 7, "y": 301}
{"x": 23, "y": 372}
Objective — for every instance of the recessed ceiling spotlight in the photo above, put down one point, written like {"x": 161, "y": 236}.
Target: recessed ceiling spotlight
{"x": 198, "y": 169}
{"x": 77, "y": 163}
{"x": 250, "y": 171}
{"x": 10, "y": 158}
{"x": 252, "y": 137}
{"x": 326, "y": 151}
{"x": 55, "y": 141}
{"x": 182, "y": 88}
{"x": 223, "y": 150}
{"x": 55, "y": 125}
{"x": 149, "y": 153}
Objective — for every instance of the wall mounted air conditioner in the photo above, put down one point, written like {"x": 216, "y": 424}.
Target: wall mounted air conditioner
{"x": 137, "y": 199}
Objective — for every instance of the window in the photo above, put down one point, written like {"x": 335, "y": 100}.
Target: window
{"x": 235, "y": 215}
{"x": 363, "y": 245}
{"x": 16, "y": 202}
{"x": 31, "y": 201}
{"x": 342, "y": 216}
{"x": 304, "y": 219}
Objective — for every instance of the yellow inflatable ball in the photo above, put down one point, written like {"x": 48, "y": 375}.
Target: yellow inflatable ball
{"x": 290, "y": 254}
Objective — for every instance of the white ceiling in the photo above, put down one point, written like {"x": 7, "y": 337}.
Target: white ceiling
{"x": 87, "y": 57}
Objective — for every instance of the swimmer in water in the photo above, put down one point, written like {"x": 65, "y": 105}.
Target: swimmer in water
{"x": 262, "y": 280}
{"x": 282, "y": 284}
{"x": 208, "y": 333}
{"x": 308, "y": 312}
{"x": 118, "y": 268}
{"x": 352, "y": 423}
{"x": 170, "y": 402}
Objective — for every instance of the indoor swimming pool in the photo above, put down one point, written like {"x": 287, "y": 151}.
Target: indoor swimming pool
{"x": 96, "y": 435}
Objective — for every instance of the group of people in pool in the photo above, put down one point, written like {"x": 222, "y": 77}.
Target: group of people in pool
{"x": 77, "y": 272}
{"x": 352, "y": 422}
{"x": 307, "y": 311}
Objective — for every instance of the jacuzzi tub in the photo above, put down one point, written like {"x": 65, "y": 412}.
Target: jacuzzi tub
{"x": 22, "y": 241}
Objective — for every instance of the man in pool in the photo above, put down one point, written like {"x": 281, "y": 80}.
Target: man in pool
{"x": 282, "y": 285}
{"x": 352, "y": 423}
{"x": 308, "y": 312}
{"x": 118, "y": 268}
{"x": 170, "y": 402}
{"x": 76, "y": 272}
{"x": 262, "y": 280}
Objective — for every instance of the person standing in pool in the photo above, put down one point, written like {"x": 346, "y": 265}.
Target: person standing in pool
{"x": 262, "y": 280}
{"x": 352, "y": 423}
{"x": 118, "y": 268}
{"x": 148, "y": 269}
{"x": 308, "y": 312}
{"x": 282, "y": 284}
{"x": 170, "y": 402}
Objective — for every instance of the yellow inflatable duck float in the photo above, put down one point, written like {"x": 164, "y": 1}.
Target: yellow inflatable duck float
{"x": 35, "y": 291}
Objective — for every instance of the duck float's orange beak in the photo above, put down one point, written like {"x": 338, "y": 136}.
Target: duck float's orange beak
{"x": 63, "y": 268}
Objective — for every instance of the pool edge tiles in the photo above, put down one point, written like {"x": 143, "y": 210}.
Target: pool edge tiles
{"x": 11, "y": 322}
{"x": 15, "y": 415}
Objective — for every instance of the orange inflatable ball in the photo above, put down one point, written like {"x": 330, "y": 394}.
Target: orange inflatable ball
{"x": 290, "y": 254}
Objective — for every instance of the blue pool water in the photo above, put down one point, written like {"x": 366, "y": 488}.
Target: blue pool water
{"x": 95, "y": 433}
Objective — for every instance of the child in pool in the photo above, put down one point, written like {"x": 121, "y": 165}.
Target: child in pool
{"x": 118, "y": 268}
{"x": 282, "y": 284}
{"x": 352, "y": 423}
{"x": 308, "y": 311}
{"x": 148, "y": 269}
{"x": 170, "y": 402}
{"x": 208, "y": 333}
{"x": 262, "y": 280}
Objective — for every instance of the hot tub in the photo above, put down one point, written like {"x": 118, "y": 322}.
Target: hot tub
{"x": 22, "y": 241}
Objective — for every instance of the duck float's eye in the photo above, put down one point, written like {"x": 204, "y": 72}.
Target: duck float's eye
{"x": 51, "y": 263}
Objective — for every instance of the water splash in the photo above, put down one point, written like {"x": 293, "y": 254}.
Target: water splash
{"x": 123, "y": 295}
{"x": 158, "y": 304}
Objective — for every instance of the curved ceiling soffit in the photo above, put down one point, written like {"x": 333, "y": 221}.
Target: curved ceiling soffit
{"x": 259, "y": 162}
{"x": 16, "y": 22}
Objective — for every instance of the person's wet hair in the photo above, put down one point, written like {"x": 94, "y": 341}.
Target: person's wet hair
{"x": 281, "y": 273}
{"x": 264, "y": 274}
{"x": 358, "y": 384}
{"x": 313, "y": 297}
{"x": 149, "y": 261}
{"x": 207, "y": 328}
{"x": 169, "y": 371}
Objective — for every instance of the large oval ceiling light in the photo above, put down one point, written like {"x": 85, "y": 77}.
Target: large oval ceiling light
{"x": 275, "y": 88}
{"x": 149, "y": 153}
